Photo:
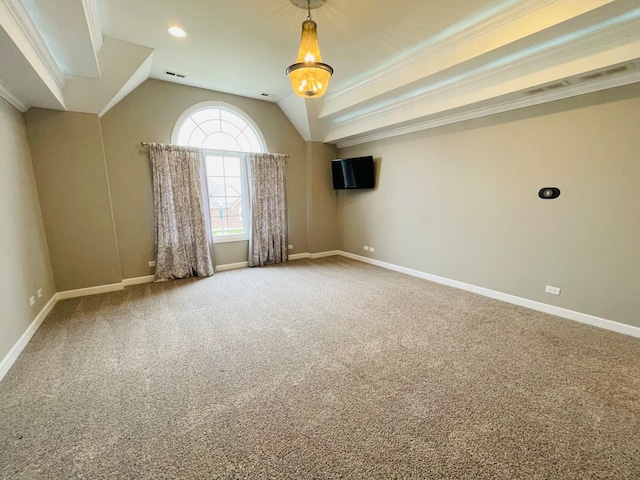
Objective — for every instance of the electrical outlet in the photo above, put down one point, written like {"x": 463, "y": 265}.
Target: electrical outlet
{"x": 552, "y": 290}
{"x": 290, "y": 247}
{"x": 371, "y": 249}
{"x": 152, "y": 263}
{"x": 40, "y": 293}
{"x": 32, "y": 301}
{"x": 366, "y": 248}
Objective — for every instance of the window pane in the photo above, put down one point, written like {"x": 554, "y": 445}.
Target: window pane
{"x": 205, "y": 114}
{"x": 216, "y": 218}
{"x": 245, "y": 144}
{"x": 256, "y": 146}
{"x": 232, "y": 166}
{"x": 233, "y": 203}
{"x": 217, "y": 203}
{"x": 185, "y": 131}
{"x": 210, "y": 126}
{"x": 221, "y": 141}
{"x": 215, "y": 186}
{"x": 234, "y": 186}
{"x": 235, "y": 225}
{"x": 231, "y": 129}
{"x": 214, "y": 166}
{"x": 232, "y": 118}
{"x": 196, "y": 138}
{"x": 219, "y": 225}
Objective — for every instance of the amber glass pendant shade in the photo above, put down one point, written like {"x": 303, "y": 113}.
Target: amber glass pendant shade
{"x": 309, "y": 76}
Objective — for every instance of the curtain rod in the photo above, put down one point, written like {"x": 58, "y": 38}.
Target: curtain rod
{"x": 145, "y": 144}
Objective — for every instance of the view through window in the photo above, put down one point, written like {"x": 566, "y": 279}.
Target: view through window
{"x": 225, "y": 187}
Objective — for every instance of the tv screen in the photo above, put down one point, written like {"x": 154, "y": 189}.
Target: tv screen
{"x": 352, "y": 173}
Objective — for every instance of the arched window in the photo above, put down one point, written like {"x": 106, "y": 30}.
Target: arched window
{"x": 218, "y": 126}
{"x": 225, "y": 134}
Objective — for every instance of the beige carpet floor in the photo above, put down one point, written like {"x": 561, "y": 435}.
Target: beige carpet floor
{"x": 317, "y": 369}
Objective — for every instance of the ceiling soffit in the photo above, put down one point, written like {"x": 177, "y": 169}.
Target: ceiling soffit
{"x": 26, "y": 64}
{"x": 493, "y": 65}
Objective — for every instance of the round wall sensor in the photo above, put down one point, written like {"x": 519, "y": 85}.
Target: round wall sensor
{"x": 549, "y": 193}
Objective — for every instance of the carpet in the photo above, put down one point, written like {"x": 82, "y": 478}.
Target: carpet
{"x": 317, "y": 369}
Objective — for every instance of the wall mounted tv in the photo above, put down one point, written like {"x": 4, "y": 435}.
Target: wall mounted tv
{"x": 353, "y": 173}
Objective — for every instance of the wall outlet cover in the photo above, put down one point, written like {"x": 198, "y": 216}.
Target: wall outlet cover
{"x": 552, "y": 290}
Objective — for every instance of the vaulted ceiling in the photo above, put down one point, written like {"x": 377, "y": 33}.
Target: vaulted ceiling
{"x": 400, "y": 66}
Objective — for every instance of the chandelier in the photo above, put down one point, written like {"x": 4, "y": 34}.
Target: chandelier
{"x": 309, "y": 76}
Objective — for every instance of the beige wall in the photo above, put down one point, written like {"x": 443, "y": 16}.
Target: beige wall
{"x": 458, "y": 201}
{"x": 322, "y": 200}
{"x": 149, "y": 114}
{"x": 23, "y": 247}
{"x": 461, "y": 202}
{"x": 68, "y": 160}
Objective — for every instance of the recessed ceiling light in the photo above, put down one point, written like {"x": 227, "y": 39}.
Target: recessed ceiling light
{"x": 177, "y": 32}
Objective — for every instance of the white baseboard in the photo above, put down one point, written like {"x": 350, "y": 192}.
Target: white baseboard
{"x": 138, "y": 280}
{"x": 299, "y": 256}
{"x": 16, "y": 350}
{"x": 230, "y": 266}
{"x": 82, "y": 292}
{"x": 328, "y": 253}
{"x": 505, "y": 297}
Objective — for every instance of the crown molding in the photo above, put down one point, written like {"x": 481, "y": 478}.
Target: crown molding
{"x": 448, "y": 39}
{"x": 595, "y": 47}
{"x": 93, "y": 22}
{"x": 12, "y": 98}
{"x": 444, "y": 50}
{"x": 522, "y": 101}
{"x": 34, "y": 40}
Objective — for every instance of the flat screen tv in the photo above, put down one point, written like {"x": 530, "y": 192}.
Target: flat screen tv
{"x": 353, "y": 173}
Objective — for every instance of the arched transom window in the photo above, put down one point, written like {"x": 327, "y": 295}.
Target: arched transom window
{"x": 225, "y": 134}
{"x": 218, "y": 127}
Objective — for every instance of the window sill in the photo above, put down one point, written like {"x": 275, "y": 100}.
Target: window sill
{"x": 230, "y": 238}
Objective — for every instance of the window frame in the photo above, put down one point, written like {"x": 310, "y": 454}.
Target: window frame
{"x": 244, "y": 177}
{"x": 244, "y": 156}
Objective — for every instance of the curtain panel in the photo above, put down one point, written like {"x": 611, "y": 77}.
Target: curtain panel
{"x": 182, "y": 248}
{"x": 268, "y": 234}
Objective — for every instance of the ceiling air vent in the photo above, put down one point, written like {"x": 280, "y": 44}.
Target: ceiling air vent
{"x": 544, "y": 88}
{"x": 174, "y": 74}
{"x": 535, "y": 90}
{"x": 553, "y": 86}
{"x": 603, "y": 73}
{"x": 591, "y": 76}
{"x": 621, "y": 68}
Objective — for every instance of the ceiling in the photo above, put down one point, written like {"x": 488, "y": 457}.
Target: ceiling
{"x": 399, "y": 66}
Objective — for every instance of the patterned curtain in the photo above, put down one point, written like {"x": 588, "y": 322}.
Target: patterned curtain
{"x": 268, "y": 233}
{"x": 182, "y": 249}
